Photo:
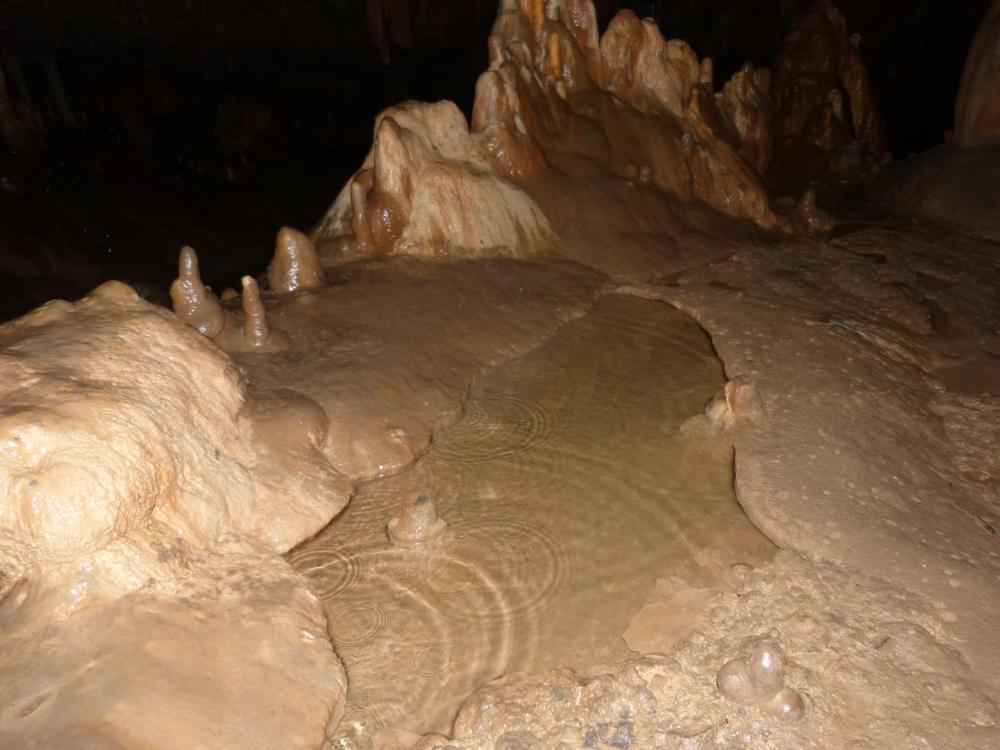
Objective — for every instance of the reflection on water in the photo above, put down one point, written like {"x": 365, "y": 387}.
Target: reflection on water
{"x": 567, "y": 494}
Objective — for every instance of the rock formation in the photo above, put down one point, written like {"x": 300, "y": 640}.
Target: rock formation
{"x": 295, "y": 265}
{"x": 135, "y": 464}
{"x": 153, "y": 467}
{"x": 557, "y": 99}
{"x": 193, "y": 302}
{"x": 825, "y": 120}
{"x": 977, "y": 111}
{"x": 759, "y": 679}
{"x": 958, "y": 182}
{"x": 417, "y": 522}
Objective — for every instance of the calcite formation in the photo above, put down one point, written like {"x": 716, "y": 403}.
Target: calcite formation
{"x": 426, "y": 189}
{"x": 135, "y": 463}
{"x": 295, "y": 265}
{"x": 759, "y": 679}
{"x": 557, "y": 98}
{"x": 977, "y": 111}
{"x": 825, "y": 121}
{"x": 153, "y": 467}
{"x": 958, "y": 182}
{"x": 417, "y": 522}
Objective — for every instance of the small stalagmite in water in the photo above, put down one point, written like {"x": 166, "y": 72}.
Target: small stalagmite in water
{"x": 417, "y": 522}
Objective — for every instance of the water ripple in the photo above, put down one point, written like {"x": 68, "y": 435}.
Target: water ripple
{"x": 495, "y": 427}
{"x": 357, "y": 624}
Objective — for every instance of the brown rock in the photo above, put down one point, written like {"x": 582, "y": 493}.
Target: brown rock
{"x": 977, "y": 111}
{"x": 295, "y": 265}
{"x": 825, "y": 121}
{"x": 193, "y": 302}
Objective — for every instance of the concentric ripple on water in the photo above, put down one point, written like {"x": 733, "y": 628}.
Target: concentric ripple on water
{"x": 567, "y": 493}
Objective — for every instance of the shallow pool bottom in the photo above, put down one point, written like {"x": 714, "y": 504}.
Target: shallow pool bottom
{"x": 568, "y": 493}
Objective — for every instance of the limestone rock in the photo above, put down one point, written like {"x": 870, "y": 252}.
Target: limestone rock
{"x": 825, "y": 118}
{"x": 977, "y": 111}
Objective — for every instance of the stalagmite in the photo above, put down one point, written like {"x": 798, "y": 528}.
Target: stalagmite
{"x": 814, "y": 134}
{"x": 814, "y": 217}
{"x": 417, "y": 522}
{"x": 631, "y": 101}
{"x": 360, "y": 222}
{"x": 193, "y": 303}
{"x": 255, "y": 330}
{"x": 295, "y": 265}
{"x": 746, "y": 106}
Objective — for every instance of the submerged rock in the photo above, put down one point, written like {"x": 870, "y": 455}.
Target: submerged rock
{"x": 417, "y": 522}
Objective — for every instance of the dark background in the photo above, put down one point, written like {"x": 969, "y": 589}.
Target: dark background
{"x": 215, "y": 122}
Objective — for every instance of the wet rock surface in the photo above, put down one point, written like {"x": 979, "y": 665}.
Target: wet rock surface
{"x": 867, "y": 664}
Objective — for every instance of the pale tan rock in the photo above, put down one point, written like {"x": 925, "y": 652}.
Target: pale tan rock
{"x": 164, "y": 484}
{"x": 858, "y": 693}
{"x": 386, "y": 380}
{"x": 395, "y": 739}
{"x": 746, "y": 106}
{"x": 145, "y": 496}
{"x": 739, "y": 403}
{"x": 672, "y": 612}
{"x": 426, "y": 190}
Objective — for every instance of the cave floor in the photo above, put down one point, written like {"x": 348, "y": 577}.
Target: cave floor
{"x": 568, "y": 491}
{"x": 572, "y": 427}
{"x": 862, "y": 445}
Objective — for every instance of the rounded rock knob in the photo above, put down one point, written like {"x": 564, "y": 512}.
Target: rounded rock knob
{"x": 417, "y": 522}
{"x": 767, "y": 669}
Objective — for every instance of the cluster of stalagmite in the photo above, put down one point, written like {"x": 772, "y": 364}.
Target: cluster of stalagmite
{"x": 557, "y": 95}
{"x": 295, "y": 267}
{"x": 825, "y": 120}
{"x": 426, "y": 188}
